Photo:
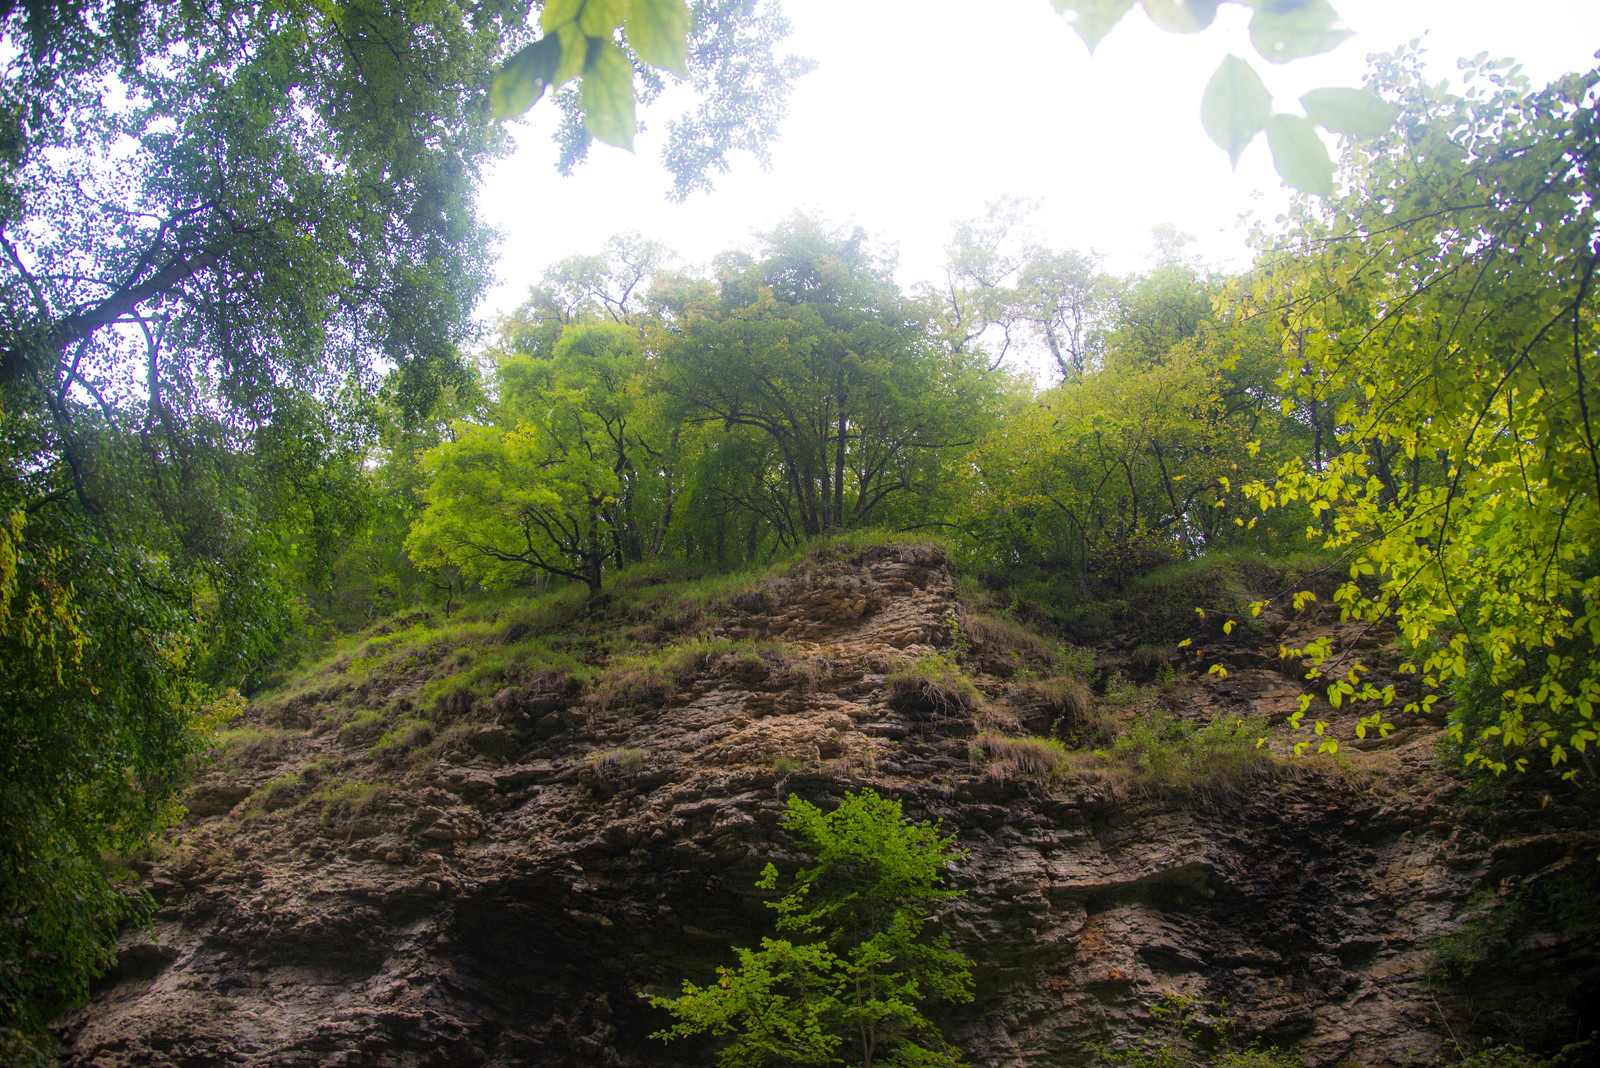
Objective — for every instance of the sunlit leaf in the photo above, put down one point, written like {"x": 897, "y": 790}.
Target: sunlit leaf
{"x": 658, "y": 30}
{"x": 1093, "y": 19}
{"x": 608, "y": 95}
{"x": 1235, "y": 107}
{"x": 1299, "y": 155}
{"x": 1355, "y": 113}
{"x": 600, "y": 17}
{"x": 519, "y": 84}
{"x": 1181, "y": 16}
{"x": 558, "y": 11}
{"x": 1283, "y": 32}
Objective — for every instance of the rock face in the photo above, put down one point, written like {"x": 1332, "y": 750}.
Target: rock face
{"x": 504, "y": 899}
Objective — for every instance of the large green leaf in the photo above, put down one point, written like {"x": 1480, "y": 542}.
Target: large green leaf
{"x": 1093, "y": 19}
{"x": 1181, "y": 16}
{"x": 575, "y": 49}
{"x": 520, "y": 83}
{"x": 1235, "y": 106}
{"x": 1299, "y": 154}
{"x": 600, "y": 17}
{"x": 1355, "y": 113}
{"x": 558, "y": 11}
{"x": 1284, "y": 32}
{"x": 608, "y": 95}
{"x": 658, "y": 30}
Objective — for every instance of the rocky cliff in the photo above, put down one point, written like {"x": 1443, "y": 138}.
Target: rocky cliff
{"x": 378, "y": 871}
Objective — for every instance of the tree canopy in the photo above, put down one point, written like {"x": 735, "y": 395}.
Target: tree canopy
{"x": 239, "y": 251}
{"x": 1443, "y": 312}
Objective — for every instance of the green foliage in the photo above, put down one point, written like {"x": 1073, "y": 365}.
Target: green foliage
{"x": 568, "y": 478}
{"x": 1493, "y": 936}
{"x": 594, "y": 48}
{"x": 833, "y": 411}
{"x": 1183, "y": 1035}
{"x": 1159, "y": 752}
{"x": 1126, "y": 465}
{"x": 1236, "y": 105}
{"x": 848, "y": 986}
{"x": 1443, "y": 313}
{"x": 100, "y": 711}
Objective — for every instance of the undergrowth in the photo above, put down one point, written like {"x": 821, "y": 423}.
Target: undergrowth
{"x": 1157, "y": 752}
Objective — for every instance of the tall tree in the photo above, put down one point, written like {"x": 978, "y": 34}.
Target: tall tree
{"x": 573, "y": 477}
{"x": 811, "y": 346}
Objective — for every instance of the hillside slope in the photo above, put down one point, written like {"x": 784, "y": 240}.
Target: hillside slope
{"x": 381, "y": 869}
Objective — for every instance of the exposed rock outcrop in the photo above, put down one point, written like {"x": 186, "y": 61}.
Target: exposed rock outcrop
{"x": 506, "y": 900}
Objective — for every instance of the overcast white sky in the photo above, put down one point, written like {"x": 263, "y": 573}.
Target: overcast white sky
{"x": 923, "y": 111}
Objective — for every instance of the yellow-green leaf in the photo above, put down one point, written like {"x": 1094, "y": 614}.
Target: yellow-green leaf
{"x": 1181, "y": 16}
{"x": 1283, "y": 32}
{"x": 1299, "y": 155}
{"x": 558, "y": 11}
{"x": 600, "y": 17}
{"x": 1235, "y": 107}
{"x": 1093, "y": 19}
{"x": 608, "y": 95}
{"x": 519, "y": 84}
{"x": 658, "y": 30}
{"x": 1356, "y": 113}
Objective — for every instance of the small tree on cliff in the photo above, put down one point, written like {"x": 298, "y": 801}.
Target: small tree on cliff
{"x": 848, "y": 988}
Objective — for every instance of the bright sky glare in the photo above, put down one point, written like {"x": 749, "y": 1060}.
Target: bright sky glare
{"x": 923, "y": 111}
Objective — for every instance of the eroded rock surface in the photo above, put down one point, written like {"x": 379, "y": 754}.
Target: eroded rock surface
{"x": 506, "y": 903}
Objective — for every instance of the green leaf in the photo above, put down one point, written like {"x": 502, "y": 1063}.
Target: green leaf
{"x": 574, "y": 53}
{"x": 1181, "y": 16}
{"x": 1299, "y": 154}
{"x": 658, "y": 30}
{"x": 520, "y": 83}
{"x": 600, "y": 17}
{"x": 608, "y": 95}
{"x": 1235, "y": 106}
{"x": 558, "y": 11}
{"x": 1356, "y": 113}
{"x": 1093, "y": 19}
{"x": 1283, "y": 32}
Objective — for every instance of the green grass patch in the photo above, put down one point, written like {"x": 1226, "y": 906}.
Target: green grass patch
{"x": 405, "y": 736}
{"x": 1157, "y": 752}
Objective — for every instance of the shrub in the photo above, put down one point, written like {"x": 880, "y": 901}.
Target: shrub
{"x": 1182, "y": 1035}
{"x": 406, "y": 735}
{"x": 849, "y": 987}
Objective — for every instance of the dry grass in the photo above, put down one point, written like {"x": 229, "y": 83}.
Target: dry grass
{"x": 616, "y": 765}
{"x": 933, "y": 687}
{"x": 1068, "y": 699}
{"x": 1004, "y": 758}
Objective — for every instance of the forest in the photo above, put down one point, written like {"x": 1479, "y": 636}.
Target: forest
{"x": 241, "y": 412}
